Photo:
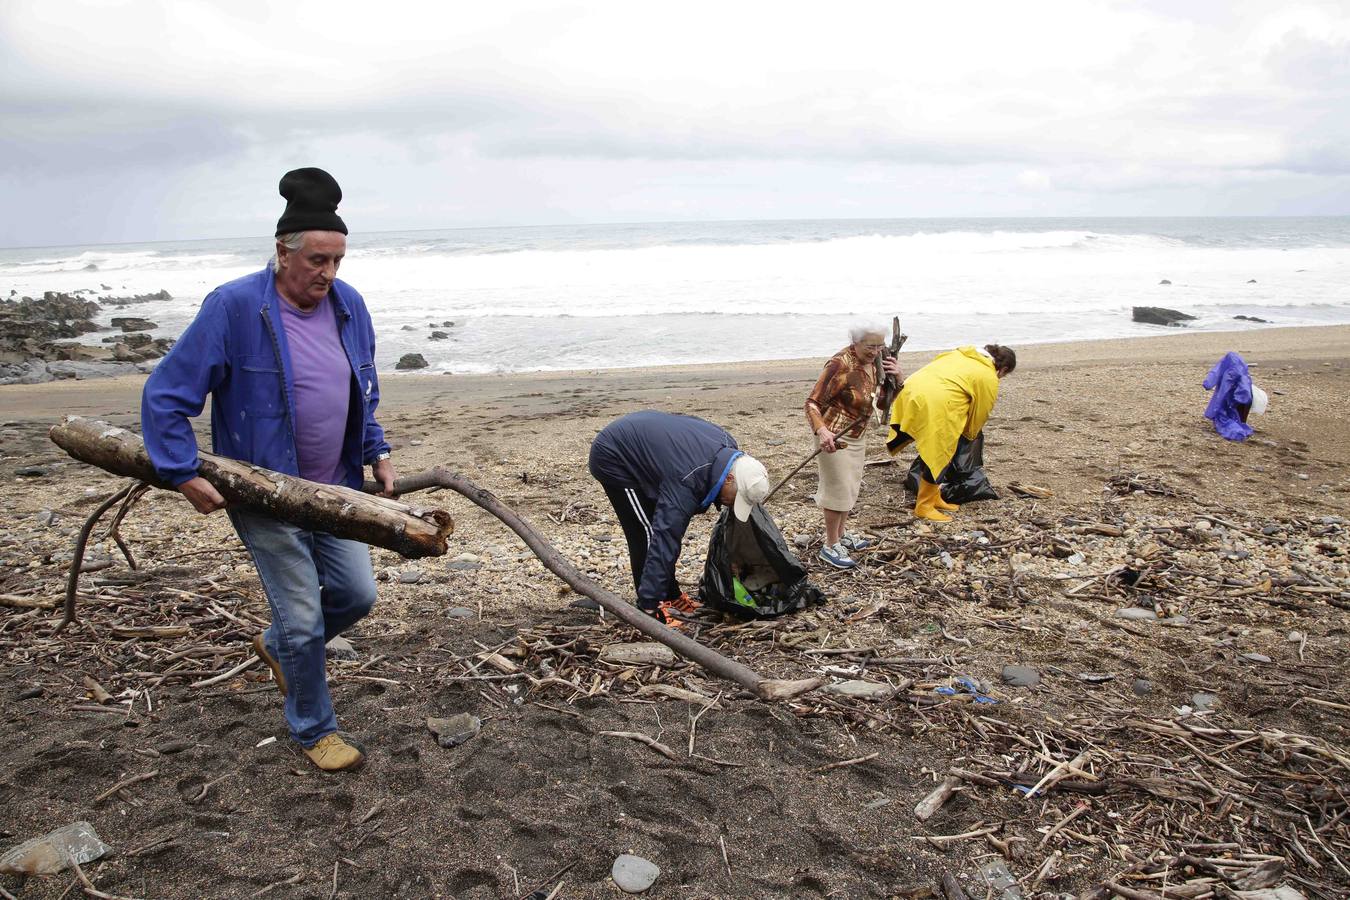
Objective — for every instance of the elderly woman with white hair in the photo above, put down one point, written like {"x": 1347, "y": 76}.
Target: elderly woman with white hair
{"x": 844, "y": 394}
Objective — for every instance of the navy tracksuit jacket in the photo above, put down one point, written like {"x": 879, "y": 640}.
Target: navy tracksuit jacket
{"x": 680, "y": 462}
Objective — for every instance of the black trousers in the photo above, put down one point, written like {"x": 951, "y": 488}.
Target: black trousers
{"x": 635, "y": 517}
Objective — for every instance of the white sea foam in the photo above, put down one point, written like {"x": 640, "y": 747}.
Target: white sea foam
{"x": 670, "y": 294}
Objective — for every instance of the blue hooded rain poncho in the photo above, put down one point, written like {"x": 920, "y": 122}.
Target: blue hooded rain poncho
{"x": 1232, "y": 386}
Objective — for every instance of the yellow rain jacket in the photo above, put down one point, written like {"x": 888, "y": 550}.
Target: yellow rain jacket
{"x": 950, "y": 397}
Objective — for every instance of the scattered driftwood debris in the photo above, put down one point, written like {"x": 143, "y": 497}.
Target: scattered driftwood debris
{"x": 410, "y": 531}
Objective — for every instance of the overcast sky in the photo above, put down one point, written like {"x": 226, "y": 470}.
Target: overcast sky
{"x": 126, "y": 120}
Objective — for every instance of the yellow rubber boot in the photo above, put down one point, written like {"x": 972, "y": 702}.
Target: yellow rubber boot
{"x": 943, "y": 505}
{"x": 925, "y": 507}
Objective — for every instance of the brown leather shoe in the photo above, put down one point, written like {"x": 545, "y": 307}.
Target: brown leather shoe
{"x": 334, "y": 754}
{"x": 260, "y": 650}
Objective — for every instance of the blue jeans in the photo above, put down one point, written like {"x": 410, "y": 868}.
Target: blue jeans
{"x": 318, "y": 586}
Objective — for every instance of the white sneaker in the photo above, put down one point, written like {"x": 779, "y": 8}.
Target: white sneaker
{"x": 838, "y": 557}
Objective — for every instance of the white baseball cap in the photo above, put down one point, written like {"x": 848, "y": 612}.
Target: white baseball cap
{"x": 752, "y": 485}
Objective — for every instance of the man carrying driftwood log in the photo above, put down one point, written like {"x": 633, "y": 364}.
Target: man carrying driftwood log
{"x": 287, "y": 356}
{"x": 659, "y": 470}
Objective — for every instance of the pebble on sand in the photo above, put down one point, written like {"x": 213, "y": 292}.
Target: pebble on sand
{"x": 455, "y": 730}
{"x": 633, "y": 874}
{"x": 1021, "y": 676}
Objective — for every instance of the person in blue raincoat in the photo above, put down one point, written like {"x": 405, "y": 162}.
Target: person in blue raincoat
{"x": 1231, "y": 383}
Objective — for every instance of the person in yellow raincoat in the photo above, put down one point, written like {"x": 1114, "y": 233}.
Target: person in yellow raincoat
{"x": 946, "y": 400}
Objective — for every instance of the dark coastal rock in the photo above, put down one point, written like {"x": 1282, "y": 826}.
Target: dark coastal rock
{"x": 25, "y": 321}
{"x": 91, "y": 267}
{"x": 411, "y": 361}
{"x": 1251, "y": 281}
{"x": 1164, "y": 281}
{"x": 1253, "y": 319}
{"x": 131, "y": 323}
{"x": 70, "y": 350}
{"x": 135, "y": 339}
{"x": 138, "y": 298}
{"x": 438, "y": 336}
{"x": 1158, "y": 315}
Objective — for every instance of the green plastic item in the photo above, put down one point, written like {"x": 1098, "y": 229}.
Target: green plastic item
{"x": 743, "y": 596}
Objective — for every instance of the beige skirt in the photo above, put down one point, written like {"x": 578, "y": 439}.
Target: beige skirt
{"x": 841, "y": 474}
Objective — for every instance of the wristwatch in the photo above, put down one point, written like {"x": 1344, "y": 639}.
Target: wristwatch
{"x": 380, "y": 456}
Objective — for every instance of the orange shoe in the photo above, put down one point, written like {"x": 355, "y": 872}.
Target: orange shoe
{"x": 684, "y": 604}
{"x": 667, "y": 615}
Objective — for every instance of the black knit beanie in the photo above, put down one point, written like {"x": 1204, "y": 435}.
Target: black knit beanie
{"x": 312, "y": 196}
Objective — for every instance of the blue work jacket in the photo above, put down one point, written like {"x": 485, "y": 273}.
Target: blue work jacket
{"x": 235, "y": 351}
{"x": 680, "y": 462}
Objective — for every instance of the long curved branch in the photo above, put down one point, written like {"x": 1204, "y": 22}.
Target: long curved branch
{"x": 714, "y": 662}
{"x": 77, "y": 557}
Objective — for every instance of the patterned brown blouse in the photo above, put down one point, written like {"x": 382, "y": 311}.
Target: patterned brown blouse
{"x": 846, "y": 389}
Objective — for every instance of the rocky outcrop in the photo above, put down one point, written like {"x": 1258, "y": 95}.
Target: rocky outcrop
{"x": 138, "y": 298}
{"x": 1158, "y": 315}
{"x": 53, "y": 317}
{"x": 36, "y": 341}
{"x": 411, "y": 361}
{"x": 131, "y": 323}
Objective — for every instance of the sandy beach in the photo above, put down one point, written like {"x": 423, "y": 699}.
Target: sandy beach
{"x": 1240, "y": 549}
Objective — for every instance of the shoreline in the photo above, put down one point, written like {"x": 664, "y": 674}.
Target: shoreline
{"x": 1288, "y": 342}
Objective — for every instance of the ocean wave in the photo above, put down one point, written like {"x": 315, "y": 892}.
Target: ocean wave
{"x": 95, "y": 261}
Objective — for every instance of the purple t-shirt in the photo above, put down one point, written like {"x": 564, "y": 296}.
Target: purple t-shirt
{"x": 323, "y": 387}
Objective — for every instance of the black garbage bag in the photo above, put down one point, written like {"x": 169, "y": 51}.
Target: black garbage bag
{"x": 750, "y": 572}
{"x": 963, "y": 481}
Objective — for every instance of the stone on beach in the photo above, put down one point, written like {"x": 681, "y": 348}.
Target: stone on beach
{"x": 455, "y": 730}
{"x": 1021, "y": 676}
{"x": 341, "y": 648}
{"x": 638, "y": 654}
{"x": 633, "y": 874}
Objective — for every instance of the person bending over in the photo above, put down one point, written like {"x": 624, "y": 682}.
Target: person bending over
{"x": 946, "y": 400}
{"x": 659, "y": 470}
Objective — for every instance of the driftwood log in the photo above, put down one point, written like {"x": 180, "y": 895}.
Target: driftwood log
{"x": 359, "y": 515}
{"x": 410, "y": 531}
{"x": 706, "y": 657}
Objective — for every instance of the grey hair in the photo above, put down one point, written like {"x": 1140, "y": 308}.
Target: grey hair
{"x": 860, "y": 330}
{"x": 293, "y": 241}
